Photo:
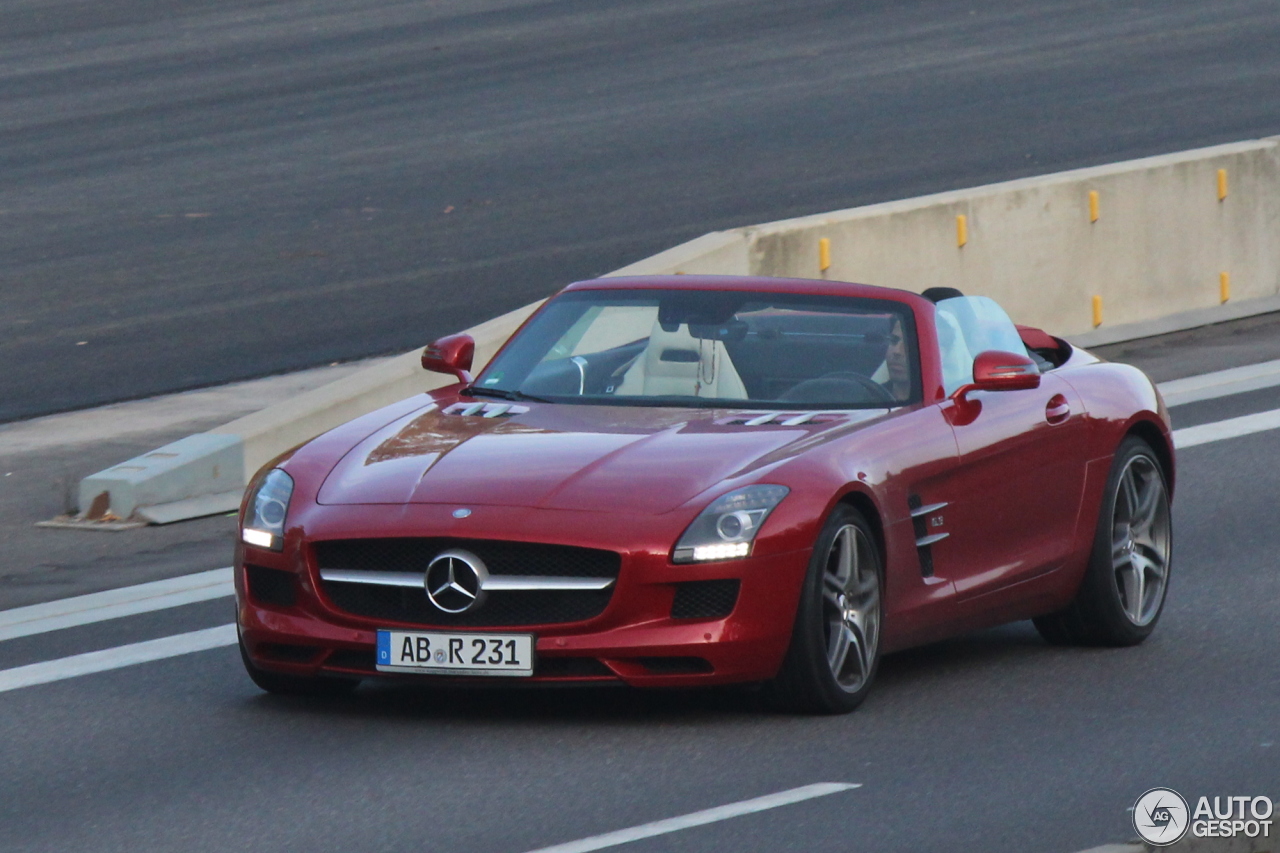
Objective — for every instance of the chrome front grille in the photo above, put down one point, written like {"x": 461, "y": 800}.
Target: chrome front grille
{"x": 527, "y": 583}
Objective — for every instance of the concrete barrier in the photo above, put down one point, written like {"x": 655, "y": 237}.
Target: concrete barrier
{"x": 1148, "y": 238}
{"x": 1096, "y": 255}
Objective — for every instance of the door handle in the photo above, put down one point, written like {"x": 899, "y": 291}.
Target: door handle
{"x": 1057, "y": 409}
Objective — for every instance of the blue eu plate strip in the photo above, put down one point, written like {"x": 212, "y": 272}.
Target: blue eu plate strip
{"x": 384, "y": 647}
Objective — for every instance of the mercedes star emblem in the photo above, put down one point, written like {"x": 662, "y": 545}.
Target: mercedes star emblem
{"x": 455, "y": 580}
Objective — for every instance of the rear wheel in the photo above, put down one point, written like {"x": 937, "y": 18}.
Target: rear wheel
{"x": 835, "y": 644}
{"x": 1123, "y": 591}
{"x": 295, "y": 685}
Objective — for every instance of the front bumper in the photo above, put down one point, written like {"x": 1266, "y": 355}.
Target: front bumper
{"x": 634, "y": 641}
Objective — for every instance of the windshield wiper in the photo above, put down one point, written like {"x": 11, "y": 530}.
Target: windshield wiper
{"x": 502, "y": 394}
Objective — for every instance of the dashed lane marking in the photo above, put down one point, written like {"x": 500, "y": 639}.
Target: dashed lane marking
{"x": 1221, "y": 383}
{"x": 114, "y": 603}
{"x": 1230, "y": 428}
{"x": 116, "y": 658}
{"x": 702, "y": 818}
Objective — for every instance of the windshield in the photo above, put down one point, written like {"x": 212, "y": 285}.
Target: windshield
{"x": 712, "y": 348}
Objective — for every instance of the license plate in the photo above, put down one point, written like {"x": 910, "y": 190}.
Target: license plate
{"x": 455, "y": 654}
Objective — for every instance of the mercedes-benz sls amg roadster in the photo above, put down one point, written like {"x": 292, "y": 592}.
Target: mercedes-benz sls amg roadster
{"x": 697, "y": 480}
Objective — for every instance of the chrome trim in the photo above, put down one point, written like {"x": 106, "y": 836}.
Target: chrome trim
{"x": 792, "y": 418}
{"x": 805, "y": 417}
{"x": 485, "y": 410}
{"x": 927, "y": 509}
{"x": 407, "y": 579}
{"x": 503, "y": 583}
{"x": 528, "y": 583}
{"x": 930, "y": 540}
{"x": 582, "y": 373}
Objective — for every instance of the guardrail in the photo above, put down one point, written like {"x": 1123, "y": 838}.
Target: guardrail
{"x": 1097, "y": 255}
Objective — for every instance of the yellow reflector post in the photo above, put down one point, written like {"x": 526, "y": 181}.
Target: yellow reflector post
{"x": 962, "y": 230}
{"x": 824, "y": 254}
{"x": 1097, "y": 311}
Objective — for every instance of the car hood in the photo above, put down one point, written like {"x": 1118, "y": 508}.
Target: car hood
{"x": 588, "y": 458}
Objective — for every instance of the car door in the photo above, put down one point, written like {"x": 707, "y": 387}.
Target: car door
{"x": 1020, "y": 474}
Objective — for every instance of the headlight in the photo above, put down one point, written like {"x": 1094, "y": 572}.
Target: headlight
{"x": 726, "y": 529}
{"x": 264, "y": 519}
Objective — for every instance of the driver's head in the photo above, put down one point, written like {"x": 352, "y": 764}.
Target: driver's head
{"x": 895, "y": 359}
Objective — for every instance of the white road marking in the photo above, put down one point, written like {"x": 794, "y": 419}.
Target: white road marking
{"x": 120, "y": 656}
{"x": 114, "y": 603}
{"x": 1230, "y": 428}
{"x": 675, "y": 824}
{"x": 1221, "y": 383}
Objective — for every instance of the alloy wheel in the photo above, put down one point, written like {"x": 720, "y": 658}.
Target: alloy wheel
{"x": 1140, "y": 540}
{"x": 851, "y": 607}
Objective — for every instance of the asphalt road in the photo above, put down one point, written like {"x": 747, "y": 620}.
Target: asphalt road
{"x": 201, "y": 191}
{"x": 210, "y": 190}
{"x": 992, "y": 743}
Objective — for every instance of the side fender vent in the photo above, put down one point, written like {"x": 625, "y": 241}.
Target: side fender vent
{"x": 920, "y": 513}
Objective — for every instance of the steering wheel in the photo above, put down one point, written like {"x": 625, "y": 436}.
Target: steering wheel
{"x": 821, "y": 389}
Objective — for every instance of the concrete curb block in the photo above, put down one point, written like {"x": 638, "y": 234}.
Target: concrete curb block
{"x": 198, "y": 466}
{"x": 1029, "y": 243}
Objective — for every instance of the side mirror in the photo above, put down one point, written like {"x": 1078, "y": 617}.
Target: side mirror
{"x": 451, "y": 355}
{"x": 994, "y": 370}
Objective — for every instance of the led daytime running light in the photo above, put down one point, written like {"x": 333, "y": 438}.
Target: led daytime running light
{"x": 727, "y": 551}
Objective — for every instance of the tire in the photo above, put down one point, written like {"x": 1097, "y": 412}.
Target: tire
{"x": 1123, "y": 591}
{"x": 295, "y": 685}
{"x": 835, "y": 644}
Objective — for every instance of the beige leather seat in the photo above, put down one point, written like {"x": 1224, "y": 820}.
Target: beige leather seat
{"x": 678, "y": 364}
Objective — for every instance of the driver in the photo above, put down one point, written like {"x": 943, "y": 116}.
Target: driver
{"x": 897, "y": 363}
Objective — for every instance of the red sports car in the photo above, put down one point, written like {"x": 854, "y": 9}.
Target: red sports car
{"x": 697, "y": 480}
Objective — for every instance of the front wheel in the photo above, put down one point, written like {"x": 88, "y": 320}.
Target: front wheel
{"x": 835, "y": 644}
{"x": 1123, "y": 591}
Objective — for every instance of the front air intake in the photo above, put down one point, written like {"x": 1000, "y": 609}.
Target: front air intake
{"x": 705, "y": 599}
{"x": 272, "y": 587}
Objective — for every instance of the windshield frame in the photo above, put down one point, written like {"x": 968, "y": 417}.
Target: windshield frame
{"x": 529, "y": 348}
